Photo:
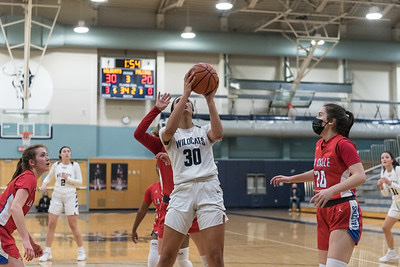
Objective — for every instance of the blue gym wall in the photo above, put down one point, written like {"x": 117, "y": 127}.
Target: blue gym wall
{"x": 233, "y": 177}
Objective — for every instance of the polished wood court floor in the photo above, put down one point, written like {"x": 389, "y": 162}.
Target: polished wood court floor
{"x": 254, "y": 237}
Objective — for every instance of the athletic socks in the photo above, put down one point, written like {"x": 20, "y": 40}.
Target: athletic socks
{"x": 335, "y": 263}
{"x": 152, "y": 259}
{"x": 183, "y": 258}
{"x": 204, "y": 260}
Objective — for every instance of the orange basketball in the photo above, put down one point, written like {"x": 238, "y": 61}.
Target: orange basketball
{"x": 206, "y": 78}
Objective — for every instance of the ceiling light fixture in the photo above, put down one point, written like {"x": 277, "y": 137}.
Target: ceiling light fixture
{"x": 374, "y": 13}
{"x": 81, "y": 28}
{"x": 317, "y": 40}
{"x": 99, "y": 1}
{"x": 188, "y": 33}
{"x": 224, "y": 5}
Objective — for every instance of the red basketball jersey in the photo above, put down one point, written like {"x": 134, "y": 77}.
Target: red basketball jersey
{"x": 153, "y": 194}
{"x": 153, "y": 143}
{"x": 25, "y": 180}
{"x": 332, "y": 161}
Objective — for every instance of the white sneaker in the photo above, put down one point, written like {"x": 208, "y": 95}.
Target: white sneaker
{"x": 46, "y": 256}
{"x": 390, "y": 255}
{"x": 81, "y": 256}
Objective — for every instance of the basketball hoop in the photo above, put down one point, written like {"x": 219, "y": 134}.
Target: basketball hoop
{"x": 26, "y": 140}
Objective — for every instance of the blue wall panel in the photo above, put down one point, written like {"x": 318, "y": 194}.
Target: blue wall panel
{"x": 233, "y": 177}
{"x": 81, "y": 139}
{"x": 118, "y": 142}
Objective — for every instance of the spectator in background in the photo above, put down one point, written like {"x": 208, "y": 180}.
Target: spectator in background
{"x": 44, "y": 203}
{"x": 295, "y": 196}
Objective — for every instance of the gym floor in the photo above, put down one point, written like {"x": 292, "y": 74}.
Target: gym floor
{"x": 253, "y": 237}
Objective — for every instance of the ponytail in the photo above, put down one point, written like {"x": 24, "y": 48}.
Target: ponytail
{"x": 344, "y": 118}
{"x": 19, "y": 169}
{"x": 350, "y": 122}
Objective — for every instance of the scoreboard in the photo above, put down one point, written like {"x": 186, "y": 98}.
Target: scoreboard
{"x": 126, "y": 78}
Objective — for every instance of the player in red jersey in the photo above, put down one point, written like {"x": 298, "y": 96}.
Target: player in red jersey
{"x": 153, "y": 143}
{"x": 15, "y": 202}
{"x": 151, "y": 195}
{"x": 337, "y": 172}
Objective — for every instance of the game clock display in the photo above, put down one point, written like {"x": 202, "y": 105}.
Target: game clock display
{"x": 127, "y": 78}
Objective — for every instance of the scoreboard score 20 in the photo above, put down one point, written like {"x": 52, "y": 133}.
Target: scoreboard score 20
{"x": 127, "y": 78}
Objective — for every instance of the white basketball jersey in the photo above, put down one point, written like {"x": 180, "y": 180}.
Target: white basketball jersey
{"x": 73, "y": 172}
{"x": 394, "y": 177}
{"x": 191, "y": 154}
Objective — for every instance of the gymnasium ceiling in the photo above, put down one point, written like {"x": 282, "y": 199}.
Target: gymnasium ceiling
{"x": 337, "y": 19}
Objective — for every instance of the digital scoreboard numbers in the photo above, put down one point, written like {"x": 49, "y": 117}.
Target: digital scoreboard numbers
{"x": 127, "y": 78}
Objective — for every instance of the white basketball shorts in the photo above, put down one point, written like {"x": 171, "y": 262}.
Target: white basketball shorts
{"x": 202, "y": 198}
{"x": 65, "y": 201}
{"x": 394, "y": 210}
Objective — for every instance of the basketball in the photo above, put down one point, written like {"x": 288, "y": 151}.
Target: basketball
{"x": 206, "y": 78}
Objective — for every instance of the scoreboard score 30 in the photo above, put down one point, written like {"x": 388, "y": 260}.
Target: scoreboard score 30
{"x": 127, "y": 78}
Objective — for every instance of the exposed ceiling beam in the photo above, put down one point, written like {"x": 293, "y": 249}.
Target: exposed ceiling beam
{"x": 368, "y": 3}
{"x": 308, "y": 15}
{"x": 164, "y": 6}
{"x": 321, "y": 6}
{"x": 386, "y": 10}
{"x": 276, "y": 19}
{"x": 252, "y": 4}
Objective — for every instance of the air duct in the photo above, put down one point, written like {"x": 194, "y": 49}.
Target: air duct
{"x": 285, "y": 129}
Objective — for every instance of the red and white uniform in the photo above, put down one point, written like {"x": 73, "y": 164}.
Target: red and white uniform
{"x": 25, "y": 180}
{"x": 331, "y": 166}
{"x": 153, "y": 195}
{"x": 153, "y": 143}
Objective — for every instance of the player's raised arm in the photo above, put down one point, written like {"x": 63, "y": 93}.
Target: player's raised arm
{"x": 216, "y": 131}
{"x": 178, "y": 108}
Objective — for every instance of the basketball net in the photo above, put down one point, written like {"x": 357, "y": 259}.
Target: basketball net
{"x": 26, "y": 140}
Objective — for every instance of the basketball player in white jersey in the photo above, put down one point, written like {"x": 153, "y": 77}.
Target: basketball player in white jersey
{"x": 197, "y": 190}
{"x": 64, "y": 198}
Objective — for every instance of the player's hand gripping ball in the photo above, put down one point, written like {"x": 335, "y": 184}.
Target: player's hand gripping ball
{"x": 206, "y": 78}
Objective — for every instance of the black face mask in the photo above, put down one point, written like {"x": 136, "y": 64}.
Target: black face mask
{"x": 317, "y": 126}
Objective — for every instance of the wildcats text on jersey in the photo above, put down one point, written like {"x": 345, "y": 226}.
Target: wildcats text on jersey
{"x": 190, "y": 141}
